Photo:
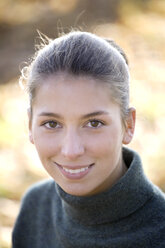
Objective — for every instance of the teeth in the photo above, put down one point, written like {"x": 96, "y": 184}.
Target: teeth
{"x": 75, "y": 171}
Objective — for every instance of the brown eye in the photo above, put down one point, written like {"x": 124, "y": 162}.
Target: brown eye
{"x": 95, "y": 124}
{"x": 51, "y": 124}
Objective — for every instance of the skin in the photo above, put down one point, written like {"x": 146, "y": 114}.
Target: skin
{"x": 75, "y": 124}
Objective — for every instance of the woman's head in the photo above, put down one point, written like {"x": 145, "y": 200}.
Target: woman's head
{"x": 78, "y": 86}
{"x": 83, "y": 54}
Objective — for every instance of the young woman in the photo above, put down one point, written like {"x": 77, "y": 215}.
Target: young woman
{"x": 79, "y": 119}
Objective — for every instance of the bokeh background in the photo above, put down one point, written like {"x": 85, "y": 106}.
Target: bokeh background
{"x": 138, "y": 26}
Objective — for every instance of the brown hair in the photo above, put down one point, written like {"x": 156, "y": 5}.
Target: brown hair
{"x": 82, "y": 54}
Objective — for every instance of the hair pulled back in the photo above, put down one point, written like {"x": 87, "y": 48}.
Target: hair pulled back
{"x": 82, "y": 54}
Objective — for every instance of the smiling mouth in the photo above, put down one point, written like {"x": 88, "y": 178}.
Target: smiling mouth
{"x": 74, "y": 171}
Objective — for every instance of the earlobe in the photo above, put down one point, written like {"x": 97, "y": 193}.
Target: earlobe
{"x": 130, "y": 126}
{"x": 30, "y": 125}
{"x": 31, "y": 137}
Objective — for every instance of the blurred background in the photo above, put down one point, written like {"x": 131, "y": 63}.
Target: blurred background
{"x": 138, "y": 26}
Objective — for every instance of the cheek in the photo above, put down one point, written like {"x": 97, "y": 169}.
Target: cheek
{"x": 106, "y": 143}
{"x": 46, "y": 146}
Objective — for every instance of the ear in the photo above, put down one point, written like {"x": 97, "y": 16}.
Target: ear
{"x": 130, "y": 126}
{"x": 29, "y": 112}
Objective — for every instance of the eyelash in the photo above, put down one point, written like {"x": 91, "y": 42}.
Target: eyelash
{"x": 88, "y": 124}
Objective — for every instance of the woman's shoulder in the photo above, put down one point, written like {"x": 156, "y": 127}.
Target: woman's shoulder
{"x": 158, "y": 199}
{"x": 38, "y": 191}
{"x": 36, "y": 203}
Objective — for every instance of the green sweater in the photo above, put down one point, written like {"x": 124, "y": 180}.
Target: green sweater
{"x": 131, "y": 214}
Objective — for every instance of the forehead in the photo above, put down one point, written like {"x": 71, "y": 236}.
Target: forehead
{"x": 63, "y": 90}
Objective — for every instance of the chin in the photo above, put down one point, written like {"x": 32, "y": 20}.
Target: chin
{"x": 76, "y": 191}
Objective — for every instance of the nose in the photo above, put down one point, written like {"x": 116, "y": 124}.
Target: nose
{"x": 72, "y": 146}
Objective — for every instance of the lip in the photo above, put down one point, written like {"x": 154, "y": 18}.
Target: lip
{"x": 77, "y": 175}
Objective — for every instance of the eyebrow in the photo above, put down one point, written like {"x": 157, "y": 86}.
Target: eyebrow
{"x": 96, "y": 113}
{"x": 51, "y": 114}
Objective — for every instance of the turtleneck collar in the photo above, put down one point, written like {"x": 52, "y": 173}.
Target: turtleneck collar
{"x": 122, "y": 199}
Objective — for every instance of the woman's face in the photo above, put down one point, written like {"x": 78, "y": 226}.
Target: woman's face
{"x": 77, "y": 131}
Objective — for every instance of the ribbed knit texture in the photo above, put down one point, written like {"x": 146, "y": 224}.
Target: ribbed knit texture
{"x": 129, "y": 215}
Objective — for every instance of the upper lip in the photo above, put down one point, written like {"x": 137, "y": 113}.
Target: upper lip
{"x": 74, "y": 167}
